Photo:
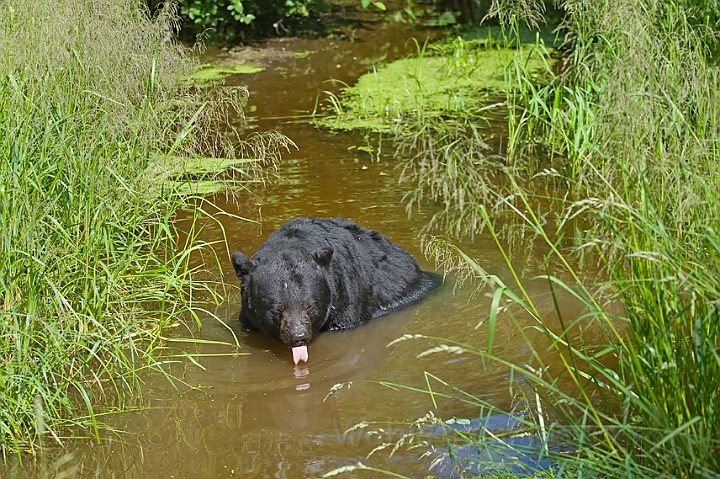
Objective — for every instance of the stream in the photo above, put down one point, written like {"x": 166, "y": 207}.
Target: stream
{"x": 248, "y": 411}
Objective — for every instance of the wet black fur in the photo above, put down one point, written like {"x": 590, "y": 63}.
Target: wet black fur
{"x": 314, "y": 274}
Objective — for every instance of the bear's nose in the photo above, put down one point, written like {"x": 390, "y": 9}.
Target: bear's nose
{"x": 300, "y": 337}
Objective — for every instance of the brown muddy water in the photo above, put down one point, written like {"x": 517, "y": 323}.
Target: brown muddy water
{"x": 244, "y": 410}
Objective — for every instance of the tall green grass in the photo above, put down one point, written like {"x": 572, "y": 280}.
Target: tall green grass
{"x": 92, "y": 267}
{"x": 647, "y": 404}
{"x": 632, "y": 391}
{"x": 628, "y": 129}
{"x": 631, "y": 127}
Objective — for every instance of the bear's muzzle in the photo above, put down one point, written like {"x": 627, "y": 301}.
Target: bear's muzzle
{"x": 296, "y": 332}
{"x": 296, "y": 328}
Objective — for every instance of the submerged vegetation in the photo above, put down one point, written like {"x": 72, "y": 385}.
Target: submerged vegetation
{"x": 94, "y": 106}
{"x": 629, "y": 129}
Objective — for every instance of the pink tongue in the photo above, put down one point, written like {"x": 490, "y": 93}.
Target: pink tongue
{"x": 300, "y": 354}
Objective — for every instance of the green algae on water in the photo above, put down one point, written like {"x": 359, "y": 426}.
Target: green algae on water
{"x": 198, "y": 175}
{"x": 208, "y": 73}
{"x": 458, "y": 82}
{"x": 305, "y": 54}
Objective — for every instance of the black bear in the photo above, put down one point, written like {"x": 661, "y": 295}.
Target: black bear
{"x": 315, "y": 275}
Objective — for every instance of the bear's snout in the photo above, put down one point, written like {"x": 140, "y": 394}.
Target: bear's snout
{"x": 296, "y": 328}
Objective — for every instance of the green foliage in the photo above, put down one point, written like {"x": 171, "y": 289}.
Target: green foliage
{"x": 212, "y": 12}
{"x": 672, "y": 355}
{"x": 470, "y": 13}
{"x": 378, "y": 5}
{"x": 227, "y": 19}
{"x": 630, "y": 124}
{"x": 638, "y": 99}
{"x": 704, "y": 18}
{"x": 91, "y": 264}
{"x": 628, "y": 127}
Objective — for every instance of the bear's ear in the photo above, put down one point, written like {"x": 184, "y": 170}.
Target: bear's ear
{"x": 323, "y": 256}
{"x": 242, "y": 265}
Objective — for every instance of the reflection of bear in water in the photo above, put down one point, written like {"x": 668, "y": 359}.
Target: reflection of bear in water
{"x": 324, "y": 274}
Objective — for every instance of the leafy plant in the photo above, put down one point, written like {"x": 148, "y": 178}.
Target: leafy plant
{"x": 212, "y": 12}
{"x": 226, "y": 19}
{"x": 378, "y": 5}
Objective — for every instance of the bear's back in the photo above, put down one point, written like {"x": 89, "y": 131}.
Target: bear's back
{"x": 368, "y": 275}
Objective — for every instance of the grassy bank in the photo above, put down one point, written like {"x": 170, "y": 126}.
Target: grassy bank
{"x": 628, "y": 129}
{"x": 92, "y": 96}
{"x": 635, "y": 121}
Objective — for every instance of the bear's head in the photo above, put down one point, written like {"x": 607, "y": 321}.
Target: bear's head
{"x": 287, "y": 296}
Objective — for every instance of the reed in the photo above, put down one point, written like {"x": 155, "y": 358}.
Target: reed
{"x": 628, "y": 128}
{"x": 631, "y": 127}
{"x": 646, "y": 402}
{"x": 92, "y": 266}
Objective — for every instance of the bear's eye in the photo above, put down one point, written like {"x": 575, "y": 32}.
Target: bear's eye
{"x": 277, "y": 309}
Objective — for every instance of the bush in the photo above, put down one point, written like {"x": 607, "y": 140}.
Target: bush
{"x": 229, "y": 20}
{"x": 92, "y": 94}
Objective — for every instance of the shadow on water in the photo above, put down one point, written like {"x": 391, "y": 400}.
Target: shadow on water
{"x": 249, "y": 412}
